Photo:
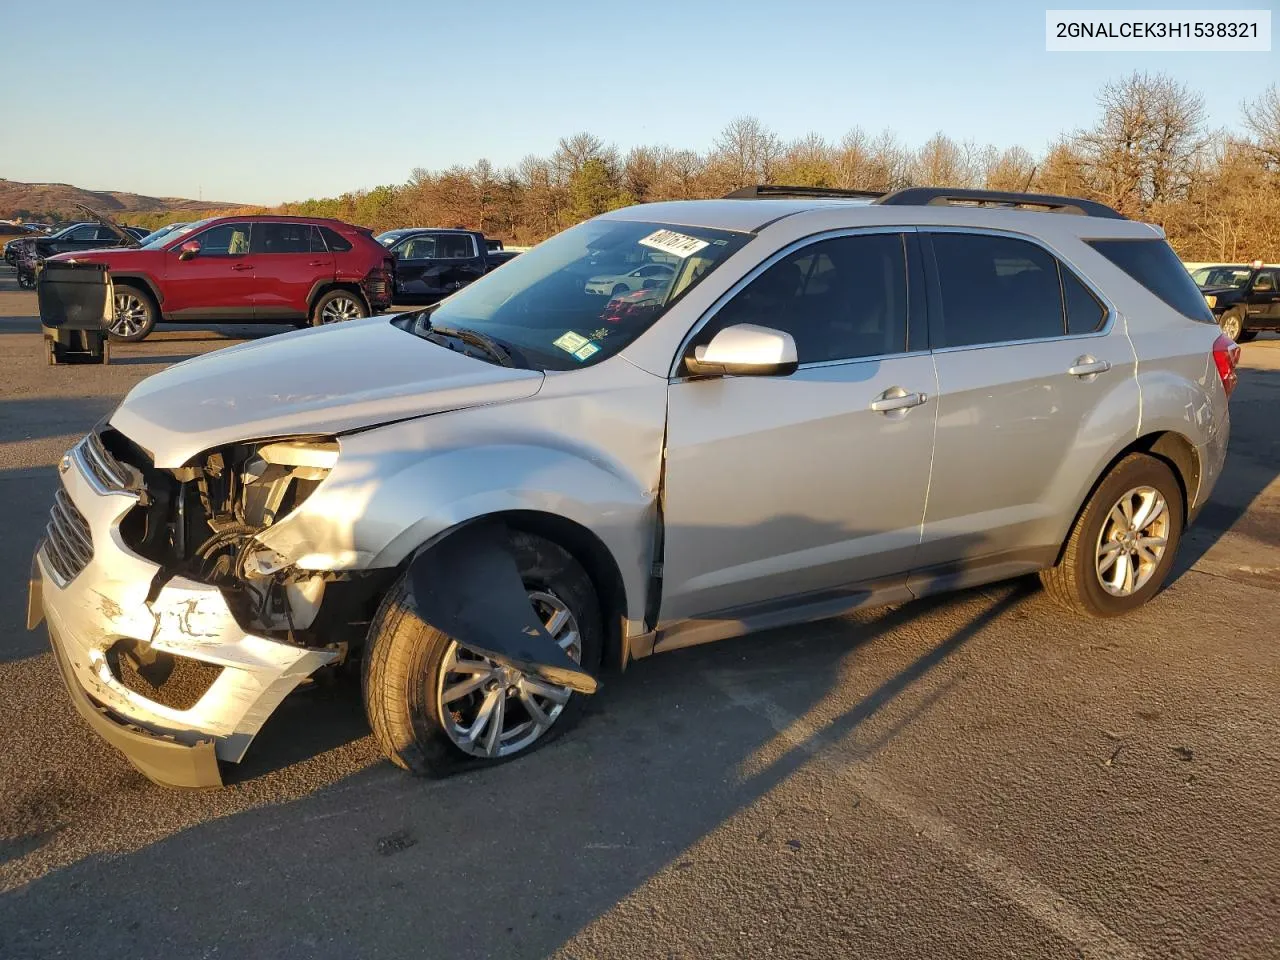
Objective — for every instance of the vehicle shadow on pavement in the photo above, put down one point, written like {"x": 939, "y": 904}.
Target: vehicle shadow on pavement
{"x": 317, "y": 826}
{"x": 1251, "y": 467}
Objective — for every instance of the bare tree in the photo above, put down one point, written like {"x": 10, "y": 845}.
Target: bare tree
{"x": 1011, "y": 169}
{"x": 1262, "y": 119}
{"x": 745, "y": 153}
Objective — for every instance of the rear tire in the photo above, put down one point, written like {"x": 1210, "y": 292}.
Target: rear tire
{"x": 135, "y": 314}
{"x": 337, "y": 306}
{"x": 620, "y": 289}
{"x": 406, "y": 663}
{"x": 1107, "y": 569}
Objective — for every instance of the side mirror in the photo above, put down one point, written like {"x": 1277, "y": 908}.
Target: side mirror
{"x": 745, "y": 350}
{"x": 188, "y": 249}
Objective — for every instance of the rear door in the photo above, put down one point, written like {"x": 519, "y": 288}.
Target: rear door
{"x": 1035, "y": 383}
{"x": 217, "y": 283}
{"x": 289, "y": 259}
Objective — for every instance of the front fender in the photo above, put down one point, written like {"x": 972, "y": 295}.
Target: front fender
{"x": 398, "y": 487}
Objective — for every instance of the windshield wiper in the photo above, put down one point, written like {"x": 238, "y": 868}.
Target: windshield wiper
{"x": 492, "y": 347}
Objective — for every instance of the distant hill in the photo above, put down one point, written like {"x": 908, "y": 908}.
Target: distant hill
{"x": 39, "y": 200}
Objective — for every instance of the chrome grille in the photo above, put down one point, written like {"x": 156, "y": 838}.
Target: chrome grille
{"x": 101, "y": 466}
{"x": 68, "y": 543}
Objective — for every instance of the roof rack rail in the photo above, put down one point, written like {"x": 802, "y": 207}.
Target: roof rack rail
{"x": 935, "y": 196}
{"x": 772, "y": 190}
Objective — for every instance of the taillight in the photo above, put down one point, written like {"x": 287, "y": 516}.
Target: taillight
{"x": 1226, "y": 357}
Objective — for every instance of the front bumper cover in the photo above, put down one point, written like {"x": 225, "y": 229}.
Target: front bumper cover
{"x": 106, "y": 602}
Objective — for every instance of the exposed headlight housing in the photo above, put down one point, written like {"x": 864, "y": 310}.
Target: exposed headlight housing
{"x": 278, "y": 476}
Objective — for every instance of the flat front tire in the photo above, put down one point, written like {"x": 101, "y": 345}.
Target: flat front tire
{"x": 1122, "y": 545}
{"x": 435, "y": 707}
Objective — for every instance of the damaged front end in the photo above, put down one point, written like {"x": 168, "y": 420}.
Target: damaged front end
{"x": 179, "y": 634}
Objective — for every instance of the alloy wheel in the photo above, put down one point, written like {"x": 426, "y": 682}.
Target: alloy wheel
{"x": 130, "y": 316}
{"x": 339, "y": 309}
{"x": 1133, "y": 541}
{"x": 1231, "y": 327}
{"x": 491, "y": 711}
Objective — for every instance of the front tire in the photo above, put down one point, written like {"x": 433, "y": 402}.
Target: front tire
{"x": 135, "y": 314}
{"x": 1123, "y": 543}
{"x": 338, "y": 306}
{"x": 1232, "y": 324}
{"x": 436, "y": 708}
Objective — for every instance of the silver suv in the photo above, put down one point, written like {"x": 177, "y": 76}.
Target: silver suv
{"x": 823, "y": 402}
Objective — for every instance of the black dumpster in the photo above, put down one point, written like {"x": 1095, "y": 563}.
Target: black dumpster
{"x": 76, "y": 304}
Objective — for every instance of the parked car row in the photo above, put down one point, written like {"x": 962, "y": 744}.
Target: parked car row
{"x": 300, "y": 270}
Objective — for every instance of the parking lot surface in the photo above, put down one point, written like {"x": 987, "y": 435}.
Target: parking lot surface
{"x": 976, "y": 775}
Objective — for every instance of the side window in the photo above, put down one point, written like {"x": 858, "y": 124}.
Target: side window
{"x": 106, "y": 233}
{"x": 1154, "y": 265}
{"x": 995, "y": 289}
{"x": 840, "y": 299}
{"x": 86, "y": 232}
{"x": 454, "y": 246}
{"x": 282, "y": 238}
{"x": 335, "y": 241}
{"x": 317, "y": 241}
{"x": 1265, "y": 283}
{"x": 226, "y": 239}
{"x": 418, "y": 248}
{"x": 1084, "y": 313}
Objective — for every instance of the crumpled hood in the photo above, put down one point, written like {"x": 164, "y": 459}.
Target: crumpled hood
{"x": 322, "y": 381}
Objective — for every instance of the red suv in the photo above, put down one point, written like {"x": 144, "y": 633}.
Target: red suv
{"x": 303, "y": 270}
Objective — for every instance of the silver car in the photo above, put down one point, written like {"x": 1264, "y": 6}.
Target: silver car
{"x": 485, "y": 504}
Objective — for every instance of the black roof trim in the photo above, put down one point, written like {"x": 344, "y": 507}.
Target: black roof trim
{"x": 938, "y": 196}
{"x": 764, "y": 191}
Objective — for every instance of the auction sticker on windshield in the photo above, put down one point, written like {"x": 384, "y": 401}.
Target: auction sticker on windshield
{"x": 676, "y": 244}
{"x": 571, "y": 342}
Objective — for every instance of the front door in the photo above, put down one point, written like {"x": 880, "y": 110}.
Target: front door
{"x": 1264, "y": 299}
{"x": 215, "y": 284}
{"x": 790, "y": 486}
{"x": 1026, "y": 360}
{"x": 288, "y": 261}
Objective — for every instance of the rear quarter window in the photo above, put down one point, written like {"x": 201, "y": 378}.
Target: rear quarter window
{"x": 1154, "y": 265}
{"x": 336, "y": 241}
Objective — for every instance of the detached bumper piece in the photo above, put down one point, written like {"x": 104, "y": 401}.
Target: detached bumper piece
{"x": 76, "y": 304}
{"x": 160, "y": 759}
{"x": 470, "y": 588}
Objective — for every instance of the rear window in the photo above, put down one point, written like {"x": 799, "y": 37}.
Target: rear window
{"x": 336, "y": 241}
{"x": 1154, "y": 265}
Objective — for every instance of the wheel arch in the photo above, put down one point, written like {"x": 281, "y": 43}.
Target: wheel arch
{"x": 321, "y": 287}
{"x": 143, "y": 281}
{"x": 584, "y": 546}
{"x": 1168, "y": 446}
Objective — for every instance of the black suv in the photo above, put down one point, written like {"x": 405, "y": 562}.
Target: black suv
{"x": 1244, "y": 298}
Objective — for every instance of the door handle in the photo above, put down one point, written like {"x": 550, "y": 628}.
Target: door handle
{"x": 1088, "y": 366}
{"x": 242, "y": 266}
{"x": 316, "y": 263}
{"x": 896, "y": 398}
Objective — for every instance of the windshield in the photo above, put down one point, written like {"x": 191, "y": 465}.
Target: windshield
{"x": 1221, "y": 276}
{"x": 582, "y": 295}
{"x": 164, "y": 235}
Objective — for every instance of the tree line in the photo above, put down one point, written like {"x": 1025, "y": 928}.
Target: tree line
{"x": 1150, "y": 154}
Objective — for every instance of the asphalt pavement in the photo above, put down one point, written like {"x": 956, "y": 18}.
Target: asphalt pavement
{"x": 979, "y": 775}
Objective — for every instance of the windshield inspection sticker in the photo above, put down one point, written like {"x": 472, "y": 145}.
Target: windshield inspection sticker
{"x": 586, "y": 351}
{"x": 570, "y": 341}
{"x": 676, "y": 244}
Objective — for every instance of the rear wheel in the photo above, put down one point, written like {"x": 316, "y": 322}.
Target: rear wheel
{"x": 620, "y": 289}
{"x": 337, "y": 306}
{"x": 436, "y": 707}
{"x": 1123, "y": 543}
{"x": 135, "y": 314}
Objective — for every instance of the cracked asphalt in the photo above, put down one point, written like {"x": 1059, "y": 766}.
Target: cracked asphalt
{"x": 977, "y": 775}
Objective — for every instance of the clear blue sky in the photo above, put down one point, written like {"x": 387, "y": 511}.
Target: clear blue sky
{"x": 267, "y": 101}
